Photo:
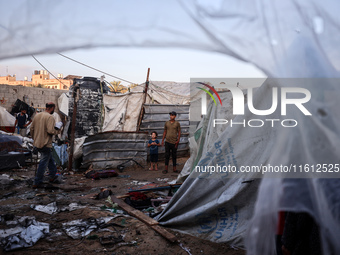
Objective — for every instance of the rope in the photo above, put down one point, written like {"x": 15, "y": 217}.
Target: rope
{"x": 47, "y": 70}
{"x": 95, "y": 68}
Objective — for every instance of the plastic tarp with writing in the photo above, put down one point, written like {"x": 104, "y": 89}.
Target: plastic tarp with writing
{"x": 214, "y": 206}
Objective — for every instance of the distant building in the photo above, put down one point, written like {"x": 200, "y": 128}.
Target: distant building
{"x": 41, "y": 79}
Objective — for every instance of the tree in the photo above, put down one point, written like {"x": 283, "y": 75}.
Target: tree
{"x": 118, "y": 87}
{"x": 40, "y": 85}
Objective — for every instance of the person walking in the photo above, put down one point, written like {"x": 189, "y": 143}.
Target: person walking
{"x": 23, "y": 121}
{"x": 42, "y": 130}
{"x": 172, "y": 135}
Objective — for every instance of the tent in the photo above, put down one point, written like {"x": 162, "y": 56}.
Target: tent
{"x": 122, "y": 111}
{"x": 220, "y": 206}
{"x": 283, "y": 39}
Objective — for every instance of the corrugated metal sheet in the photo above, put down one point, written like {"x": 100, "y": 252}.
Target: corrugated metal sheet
{"x": 155, "y": 117}
{"x": 110, "y": 149}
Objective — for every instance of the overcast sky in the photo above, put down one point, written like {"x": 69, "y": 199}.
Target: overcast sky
{"x": 166, "y": 64}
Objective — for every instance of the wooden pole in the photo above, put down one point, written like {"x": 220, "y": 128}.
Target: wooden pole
{"x": 146, "y": 86}
{"x": 73, "y": 126}
{"x": 153, "y": 224}
{"x": 144, "y": 100}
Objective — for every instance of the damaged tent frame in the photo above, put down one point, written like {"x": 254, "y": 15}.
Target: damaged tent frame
{"x": 115, "y": 149}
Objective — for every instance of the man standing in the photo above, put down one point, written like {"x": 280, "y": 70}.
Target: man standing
{"x": 23, "y": 121}
{"x": 42, "y": 131}
{"x": 172, "y": 134}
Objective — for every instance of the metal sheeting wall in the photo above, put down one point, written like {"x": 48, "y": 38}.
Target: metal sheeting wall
{"x": 154, "y": 119}
{"x": 110, "y": 149}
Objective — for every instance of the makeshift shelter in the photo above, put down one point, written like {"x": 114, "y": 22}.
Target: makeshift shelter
{"x": 122, "y": 113}
{"x": 283, "y": 39}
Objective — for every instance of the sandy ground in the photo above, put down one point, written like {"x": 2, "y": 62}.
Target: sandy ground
{"x": 17, "y": 197}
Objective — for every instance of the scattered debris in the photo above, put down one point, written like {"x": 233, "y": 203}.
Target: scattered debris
{"x": 162, "y": 179}
{"x": 25, "y": 232}
{"x": 49, "y": 209}
{"x": 132, "y": 243}
{"x": 139, "y": 183}
{"x": 52, "y": 208}
{"x": 170, "y": 187}
{"x": 138, "y": 200}
{"x": 104, "y": 193}
{"x": 5, "y": 180}
{"x": 98, "y": 174}
{"x": 185, "y": 248}
{"x": 81, "y": 228}
{"x": 147, "y": 220}
{"x": 72, "y": 207}
{"x": 124, "y": 176}
{"x": 110, "y": 240}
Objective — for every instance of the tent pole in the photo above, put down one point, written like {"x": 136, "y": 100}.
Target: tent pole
{"x": 73, "y": 126}
{"x": 144, "y": 100}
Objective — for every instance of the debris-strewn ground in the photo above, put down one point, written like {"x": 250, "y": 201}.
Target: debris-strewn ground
{"x": 131, "y": 235}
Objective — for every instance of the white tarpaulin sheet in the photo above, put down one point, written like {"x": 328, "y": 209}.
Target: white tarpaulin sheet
{"x": 63, "y": 102}
{"x": 282, "y": 38}
{"x": 275, "y": 36}
{"x": 165, "y": 92}
{"x": 122, "y": 111}
{"x": 6, "y": 119}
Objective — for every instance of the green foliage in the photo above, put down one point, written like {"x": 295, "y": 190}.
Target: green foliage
{"x": 119, "y": 88}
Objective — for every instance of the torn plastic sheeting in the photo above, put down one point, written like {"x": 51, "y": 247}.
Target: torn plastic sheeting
{"x": 63, "y": 103}
{"x": 61, "y": 151}
{"x": 6, "y": 118}
{"x": 5, "y": 179}
{"x": 49, "y": 209}
{"x": 72, "y": 207}
{"x": 21, "y": 237}
{"x": 53, "y": 208}
{"x": 81, "y": 228}
{"x": 10, "y": 161}
{"x": 139, "y": 183}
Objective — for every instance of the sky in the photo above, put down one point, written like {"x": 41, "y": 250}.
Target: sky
{"x": 131, "y": 64}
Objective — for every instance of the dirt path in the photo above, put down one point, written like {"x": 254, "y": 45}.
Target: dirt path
{"x": 17, "y": 196}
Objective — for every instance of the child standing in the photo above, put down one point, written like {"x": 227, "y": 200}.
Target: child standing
{"x": 23, "y": 121}
{"x": 153, "y": 144}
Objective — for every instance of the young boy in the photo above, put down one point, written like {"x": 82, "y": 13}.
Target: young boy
{"x": 153, "y": 144}
{"x": 23, "y": 121}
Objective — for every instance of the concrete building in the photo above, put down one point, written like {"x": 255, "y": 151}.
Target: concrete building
{"x": 40, "y": 79}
